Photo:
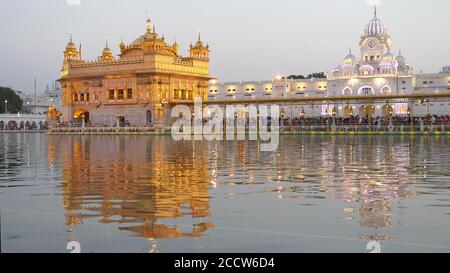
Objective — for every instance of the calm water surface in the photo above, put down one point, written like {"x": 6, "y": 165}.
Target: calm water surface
{"x": 152, "y": 194}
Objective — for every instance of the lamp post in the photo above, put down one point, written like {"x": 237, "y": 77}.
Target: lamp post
{"x": 6, "y": 106}
{"x": 28, "y": 107}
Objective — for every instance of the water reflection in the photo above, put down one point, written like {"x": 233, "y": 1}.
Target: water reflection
{"x": 359, "y": 187}
{"x": 134, "y": 182}
{"x": 371, "y": 174}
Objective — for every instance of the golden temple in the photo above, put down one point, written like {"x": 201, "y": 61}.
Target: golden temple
{"x": 138, "y": 86}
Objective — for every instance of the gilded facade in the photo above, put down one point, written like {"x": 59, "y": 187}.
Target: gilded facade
{"x": 138, "y": 86}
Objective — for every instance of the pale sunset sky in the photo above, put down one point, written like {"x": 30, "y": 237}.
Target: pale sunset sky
{"x": 249, "y": 39}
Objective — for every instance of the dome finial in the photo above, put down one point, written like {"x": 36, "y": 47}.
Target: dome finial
{"x": 148, "y": 24}
{"x": 106, "y": 45}
{"x": 70, "y": 39}
{"x": 375, "y": 13}
{"x": 350, "y": 51}
{"x": 199, "y": 36}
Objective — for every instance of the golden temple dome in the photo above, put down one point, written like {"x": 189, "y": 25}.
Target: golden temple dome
{"x": 150, "y": 34}
{"x": 107, "y": 51}
{"x": 71, "y": 46}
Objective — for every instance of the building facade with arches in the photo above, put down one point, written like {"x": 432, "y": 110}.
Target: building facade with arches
{"x": 138, "y": 87}
{"x": 23, "y": 122}
{"x": 375, "y": 71}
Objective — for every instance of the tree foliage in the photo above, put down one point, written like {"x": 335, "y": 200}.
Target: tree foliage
{"x": 316, "y": 75}
{"x": 15, "y": 103}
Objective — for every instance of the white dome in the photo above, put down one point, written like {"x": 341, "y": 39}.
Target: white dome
{"x": 401, "y": 59}
{"x": 374, "y": 27}
{"x": 350, "y": 59}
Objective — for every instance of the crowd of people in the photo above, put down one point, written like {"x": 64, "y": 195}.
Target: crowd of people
{"x": 286, "y": 122}
{"x": 360, "y": 120}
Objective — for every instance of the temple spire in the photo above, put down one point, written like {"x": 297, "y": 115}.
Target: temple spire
{"x": 149, "y": 25}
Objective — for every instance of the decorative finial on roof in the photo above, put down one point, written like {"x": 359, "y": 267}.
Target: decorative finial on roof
{"x": 70, "y": 39}
{"x": 148, "y": 24}
{"x": 106, "y": 45}
{"x": 154, "y": 28}
{"x": 375, "y": 13}
{"x": 199, "y": 36}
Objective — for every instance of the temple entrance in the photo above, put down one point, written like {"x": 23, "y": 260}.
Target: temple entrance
{"x": 367, "y": 110}
{"x": 81, "y": 115}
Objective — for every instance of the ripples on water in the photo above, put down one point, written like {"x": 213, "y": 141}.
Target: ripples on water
{"x": 360, "y": 188}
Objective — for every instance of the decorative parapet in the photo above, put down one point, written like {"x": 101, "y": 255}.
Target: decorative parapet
{"x": 115, "y": 61}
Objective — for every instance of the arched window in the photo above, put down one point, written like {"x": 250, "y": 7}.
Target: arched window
{"x": 386, "y": 90}
{"x": 347, "y": 91}
{"x": 366, "y": 90}
{"x": 366, "y": 70}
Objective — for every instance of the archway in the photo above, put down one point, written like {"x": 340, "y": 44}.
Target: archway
{"x": 27, "y": 125}
{"x": 2, "y": 125}
{"x": 12, "y": 125}
{"x": 347, "y": 91}
{"x": 79, "y": 115}
{"x": 386, "y": 90}
{"x": 388, "y": 110}
{"x": 366, "y": 90}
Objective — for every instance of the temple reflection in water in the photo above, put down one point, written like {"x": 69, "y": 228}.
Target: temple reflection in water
{"x": 131, "y": 181}
{"x": 154, "y": 187}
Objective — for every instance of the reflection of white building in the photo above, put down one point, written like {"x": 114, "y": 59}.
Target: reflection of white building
{"x": 376, "y": 71}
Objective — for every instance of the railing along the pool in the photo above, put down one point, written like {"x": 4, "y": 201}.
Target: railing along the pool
{"x": 286, "y": 129}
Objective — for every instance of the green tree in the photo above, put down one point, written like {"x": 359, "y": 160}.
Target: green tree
{"x": 296, "y": 77}
{"x": 15, "y": 103}
{"x": 317, "y": 75}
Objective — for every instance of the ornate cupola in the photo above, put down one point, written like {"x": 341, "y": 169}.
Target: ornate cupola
{"x": 375, "y": 41}
{"x": 389, "y": 64}
{"x": 375, "y": 27}
{"x": 71, "y": 52}
{"x": 107, "y": 54}
{"x": 175, "y": 47}
{"x": 199, "y": 50}
{"x": 122, "y": 46}
{"x": 350, "y": 59}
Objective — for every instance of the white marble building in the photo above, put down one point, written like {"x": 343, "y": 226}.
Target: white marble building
{"x": 376, "y": 71}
